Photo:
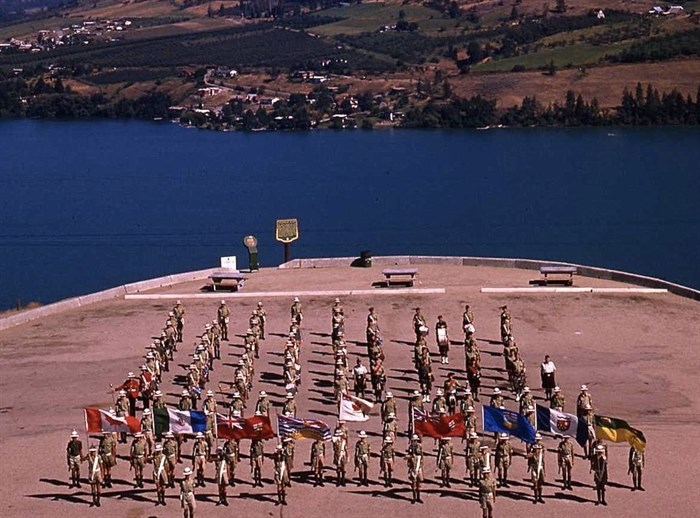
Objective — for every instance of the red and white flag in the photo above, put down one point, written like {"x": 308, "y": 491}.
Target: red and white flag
{"x": 256, "y": 427}
{"x": 98, "y": 420}
{"x": 354, "y": 409}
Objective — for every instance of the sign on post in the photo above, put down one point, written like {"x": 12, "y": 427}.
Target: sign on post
{"x": 286, "y": 231}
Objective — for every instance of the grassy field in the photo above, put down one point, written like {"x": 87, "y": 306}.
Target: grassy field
{"x": 576, "y": 55}
{"x": 361, "y": 18}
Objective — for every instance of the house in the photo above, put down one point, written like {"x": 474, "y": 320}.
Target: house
{"x": 600, "y": 15}
{"x": 269, "y": 101}
{"x": 675, "y": 10}
{"x": 209, "y": 91}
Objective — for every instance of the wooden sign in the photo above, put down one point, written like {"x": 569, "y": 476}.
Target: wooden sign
{"x": 287, "y": 230}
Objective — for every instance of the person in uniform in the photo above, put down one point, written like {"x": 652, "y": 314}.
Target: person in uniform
{"x": 469, "y": 421}
{"x": 419, "y": 323}
{"x": 187, "y": 499}
{"x": 487, "y": 493}
{"x": 281, "y": 475}
{"x": 216, "y": 338}
{"x": 583, "y": 400}
{"x": 378, "y": 376}
{"x": 389, "y": 427}
{"x": 340, "y": 456}
{"x": 386, "y": 461}
{"x": 340, "y": 382}
{"x": 138, "y": 457}
{"x": 565, "y": 459}
{"x": 496, "y": 399}
{"x": 171, "y": 452}
{"x": 636, "y": 466}
{"x": 414, "y": 461}
{"x": 599, "y": 466}
{"x": 318, "y": 459}
{"x": 223, "y": 314}
{"x": 557, "y": 402}
{"x": 530, "y": 416}
{"x": 536, "y": 466}
{"x": 289, "y": 408}
{"x": 445, "y": 458}
{"x": 359, "y": 373}
{"x": 504, "y": 458}
{"x": 296, "y": 312}
{"x": 160, "y": 477}
{"x": 179, "y": 311}
{"x": 362, "y": 453}
{"x": 451, "y": 400}
{"x": 289, "y": 446}
{"x": 220, "y": 464}
{"x": 108, "y": 451}
{"x": 262, "y": 315}
{"x": 147, "y": 430}
{"x": 506, "y": 325}
{"x": 257, "y": 459}
{"x": 231, "y": 450}
{"x": 122, "y": 409}
{"x": 262, "y": 406}
{"x": 200, "y": 454}
{"x": 416, "y": 402}
{"x": 526, "y": 400}
{"x": 443, "y": 340}
{"x": 425, "y": 375}
{"x": 95, "y": 474}
{"x": 74, "y": 455}
{"x": 439, "y": 403}
{"x": 388, "y": 406}
{"x": 472, "y": 455}
{"x": 468, "y": 322}
{"x": 548, "y": 375}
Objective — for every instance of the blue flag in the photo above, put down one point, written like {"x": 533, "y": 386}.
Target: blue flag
{"x": 507, "y": 421}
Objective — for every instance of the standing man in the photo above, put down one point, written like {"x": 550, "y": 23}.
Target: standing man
{"x": 74, "y": 455}
{"x": 296, "y": 313}
{"x": 281, "y": 475}
{"x": 468, "y": 322}
{"x": 362, "y": 452}
{"x": 558, "y": 400}
{"x": 223, "y": 315}
{"x": 231, "y": 455}
{"x": 262, "y": 406}
{"x": 443, "y": 340}
{"x": 599, "y": 466}
{"x": 504, "y": 458}
{"x": 419, "y": 324}
{"x": 221, "y": 465}
{"x": 487, "y": 493}
{"x": 386, "y": 461}
{"x": 583, "y": 400}
{"x": 537, "y": 471}
{"x": 138, "y": 457}
{"x": 444, "y": 462}
{"x": 200, "y": 454}
{"x": 95, "y": 474}
{"x": 257, "y": 458}
{"x": 414, "y": 460}
{"x": 318, "y": 457}
{"x": 506, "y": 326}
{"x": 179, "y": 311}
{"x": 262, "y": 315}
{"x": 565, "y": 458}
{"x": 160, "y": 478}
{"x": 187, "y": 500}
{"x": 108, "y": 451}
{"x": 636, "y": 466}
{"x": 340, "y": 456}
{"x": 547, "y": 373}
{"x": 360, "y": 377}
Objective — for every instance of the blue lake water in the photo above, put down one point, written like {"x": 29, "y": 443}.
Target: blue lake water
{"x": 89, "y": 205}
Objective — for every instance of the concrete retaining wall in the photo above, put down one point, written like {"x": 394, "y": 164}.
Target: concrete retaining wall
{"x": 112, "y": 293}
{"x": 497, "y": 262}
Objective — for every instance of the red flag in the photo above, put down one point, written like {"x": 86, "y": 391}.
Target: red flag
{"x": 98, "y": 420}
{"x": 439, "y": 426}
{"x": 256, "y": 427}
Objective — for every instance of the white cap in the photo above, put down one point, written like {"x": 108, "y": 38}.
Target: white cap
{"x": 178, "y": 302}
{"x": 138, "y": 435}
{"x": 187, "y": 472}
{"x": 289, "y": 395}
{"x": 389, "y": 394}
{"x": 584, "y": 387}
{"x": 415, "y": 437}
{"x": 470, "y": 409}
{"x": 200, "y": 435}
{"x": 263, "y": 393}
{"x": 503, "y": 436}
{"x": 296, "y": 299}
{"x": 210, "y": 393}
{"x": 473, "y": 435}
{"x": 158, "y": 393}
{"x": 130, "y": 375}
{"x": 496, "y": 390}
{"x": 416, "y": 393}
{"x": 439, "y": 392}
{"x": 185, "y": 393}
{"x": 122, "y": 392}
{"x": 223, "y": 301}
{"x": 337, "y": 300}
{"x": 74, "y": 434}
{"x": 526, "y": 389}
{"x": 159, "y": 447}
{"x": 557, "y": 389}
{"x": 146, "y": 411}
{"x": 362, "y": 433}
{"x": 538, "y": 436}
{"x": 486, "y": 469}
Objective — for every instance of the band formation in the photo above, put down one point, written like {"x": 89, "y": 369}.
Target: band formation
{"x": 215, "y": 422}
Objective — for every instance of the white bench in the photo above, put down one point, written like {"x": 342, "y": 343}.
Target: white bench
{"x": 400, "y": 276}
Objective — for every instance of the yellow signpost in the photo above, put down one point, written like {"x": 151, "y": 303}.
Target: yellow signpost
{"x": 286, "y": 231}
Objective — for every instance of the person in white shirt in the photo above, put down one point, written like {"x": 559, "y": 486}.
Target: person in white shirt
{"x": 547, "y": 372}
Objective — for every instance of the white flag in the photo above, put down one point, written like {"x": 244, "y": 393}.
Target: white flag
{"x": 354, "y": 409}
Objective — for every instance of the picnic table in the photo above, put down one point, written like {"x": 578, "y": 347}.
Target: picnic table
{"x": 401, "y": 276}
{"x": 558, "y": 275}
{"x": 232, "y": 279}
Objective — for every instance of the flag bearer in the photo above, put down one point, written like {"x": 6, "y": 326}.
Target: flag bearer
{"x": 108, "y": 451}
{"x": 318, "y": 457}
{"x": 536, "y": 467}
{"x": 289, "y": 446}
{"x": 444, "y": 461}
{"x": 220, "y": 464}
{"x": 74, "y": 454}
{"x": 504, "y": 458}
{"x": 565, "y": 457}
{"x": 232, "y": 455}
{"x": 340, "y": 455}
{"x": 281, "y": 475}
{"x": 187, "y": 500}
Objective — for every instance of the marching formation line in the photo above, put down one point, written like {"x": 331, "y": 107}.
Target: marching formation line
{"x": 290, "y": 294}
{"x": 623, "y": 291}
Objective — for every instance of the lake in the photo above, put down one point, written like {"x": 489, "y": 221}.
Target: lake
{"x": 89, "y": 205}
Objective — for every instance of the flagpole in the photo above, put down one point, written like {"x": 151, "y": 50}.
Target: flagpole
{"x": 87, "y": 435}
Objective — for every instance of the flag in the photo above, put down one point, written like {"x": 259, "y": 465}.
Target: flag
{"x": 256, "y": 427}
{"x": 354, "y": 409}
{"x": 438, "y": 426}
{"x": 561, "y": 423}
{"x": 617, "y": 430}
{"x": 507, "y": 421}
{"x": 179, "y": 421}
{"x": 98, "y": 420}
{"x": 303, "y": 428}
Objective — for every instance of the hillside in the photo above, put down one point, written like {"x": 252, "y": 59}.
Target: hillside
{"x": 431, "y": 51}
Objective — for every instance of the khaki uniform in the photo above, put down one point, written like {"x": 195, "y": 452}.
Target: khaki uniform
{"x": 289, "y": 408}
{"x": 487, "y": 496}
{"x": 362, "y": 452}
{"x": 257, "y": 452}
{"x": 565, "y": 458}
{"x": 557, "y": 402}
{"x": 318, "y": 455}
{"x": 445, "y": 459}
{"x": 187, "y": 500}
{"x": 231, "y": 455}
{"x": 504, "y": 458}
{"x": 386, "y": 462}
{"x": 263, "y": 406}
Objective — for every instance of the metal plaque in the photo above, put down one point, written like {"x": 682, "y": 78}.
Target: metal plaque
{"x": 287, "y": 230}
